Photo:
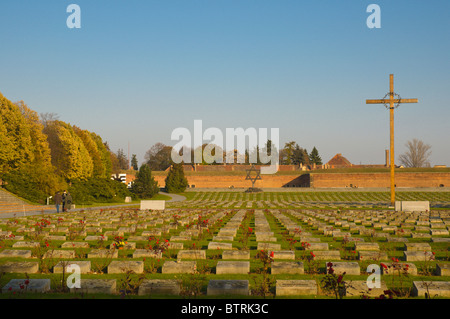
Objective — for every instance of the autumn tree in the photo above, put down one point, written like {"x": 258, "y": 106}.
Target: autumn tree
{"x": 70, "y": 157}
{"x": 99, "y": 169}
{"x": 159, "y": 157}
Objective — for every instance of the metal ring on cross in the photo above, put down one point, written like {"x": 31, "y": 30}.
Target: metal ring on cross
{"x": 396, "y": 97}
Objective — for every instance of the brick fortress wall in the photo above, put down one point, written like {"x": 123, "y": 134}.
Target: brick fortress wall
{"x": 328, "y": 180}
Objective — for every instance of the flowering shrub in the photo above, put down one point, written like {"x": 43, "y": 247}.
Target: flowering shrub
{"x": 157, "y": 246}
{"x": 334, "y": 284}
{"x": 119, "y": 242}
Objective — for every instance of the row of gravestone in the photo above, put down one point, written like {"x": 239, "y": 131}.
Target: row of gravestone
{"x": 222, "y": 287}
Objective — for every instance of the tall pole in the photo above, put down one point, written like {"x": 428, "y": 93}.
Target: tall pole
{"x": 393, "y": 101}
{"x": 391, "y": 111}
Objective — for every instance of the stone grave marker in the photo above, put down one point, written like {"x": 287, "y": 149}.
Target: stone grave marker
{"x": 33, "y": 286}
{"x": 235, "y": 254}
{"x": 20, "y": 267}
{"x": 433, "y": 288}
{"x": 287, "y": 267}
{"x": 96, "y": 286}
{"x": 120, "y": 267}
{"x": 179, "y": 267}
{"x": 159, "y": 287}
{"x": 232, "y": 267}
{"x": 296, "y": 287}
{"x": 227, "y": 287}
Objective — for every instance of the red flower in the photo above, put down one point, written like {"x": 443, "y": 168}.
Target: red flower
{"x": 272, "y": 254}
{"x": 384, "y": 266}
{"x": 339, "y": 279}
{"x": 312, "y": 254}
{"x": 250, "y": 230}
{"x": 330, "y": 264}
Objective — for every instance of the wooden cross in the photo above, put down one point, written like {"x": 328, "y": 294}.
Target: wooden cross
{"x": 393, "y": 101}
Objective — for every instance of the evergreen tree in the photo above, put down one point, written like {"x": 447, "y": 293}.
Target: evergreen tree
{"x": 144, "y": 186}
{"x": 134, "y": 162}
{"x": 122, "y": 158}
{"x": 176, "y": 182}
{"x": 314, "y": 157}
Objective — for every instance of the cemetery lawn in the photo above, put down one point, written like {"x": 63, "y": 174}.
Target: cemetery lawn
{"x": 333, "y": 225}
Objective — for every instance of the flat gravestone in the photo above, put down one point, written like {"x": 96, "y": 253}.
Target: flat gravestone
{"x": 20, "y": 267}
{"x": 59, "y": 254}
{"x": 227, "y": 232}
{"x": 358, "y": 287}
{"x": 176, "y": 245}
{"x": 232, "y": 267}
{"x": 75, "y": 244}
{"x": 296, "y": 287}
{"x": 103, "y": 253}
{"x": 33, "y": 285}
{"x": 440, "y": 240}
{"x": 54, "y": 237}
{"x": 179, "y": 267}
{"x": 366, "y": 246}
{"x": 326, "y": 255}
{"x": 144, "y": 253}
{"x": 372, "y": 255}
{"x": 138, "y": 238}
{"x": 418, "y": 255}
{"x": 432, "y": 288}
{"x": 287, "y": 267}
{"x": 219, "y": 245}
{"x": 412, "y": 206}
{"x": 417, "y": 247}
{"x": 153, "y": 204}
{"x": 420, "y": 235}
{"x": 397, "y": 240}
{"x": 268, "y": 246}
{"x": 284, "y": 254}
{"x": 26, "y": 244}
{"x": 191, "y": 254}
{"x": 317, "y": 246}
{"x": 13, "y": 253}
{"x": 350, "y": 268}
{"x": 159, "y": 287}
{"x": 439, "y": 232}
{"x": 85, "y": 266}
{"x": 120, "y": 267}
{"x": 228, "y": 287}
{"x": 399, "y": 268}
{"x": 180, "y": 238}
{"x": 266, "y": 238}
{"x": 127, "y": 245}
{"x": 235, "y": 254}
{"x": 443, "y": 269}
{"x": 223, "y": 238}
{"x": 96, "y": 286}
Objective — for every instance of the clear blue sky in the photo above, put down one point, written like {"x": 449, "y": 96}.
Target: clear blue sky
{"x": 136, "y": 70}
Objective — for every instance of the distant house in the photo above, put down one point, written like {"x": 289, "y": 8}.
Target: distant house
{"x": 339, "y": 161}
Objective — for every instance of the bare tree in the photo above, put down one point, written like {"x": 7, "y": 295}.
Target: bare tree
{"x": 48, "y": 117}
{"x": 418, "y": 154}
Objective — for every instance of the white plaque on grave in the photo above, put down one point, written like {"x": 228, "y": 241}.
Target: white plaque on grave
{"x": 153, "y": 204}
{"x": 412, "y": 206}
